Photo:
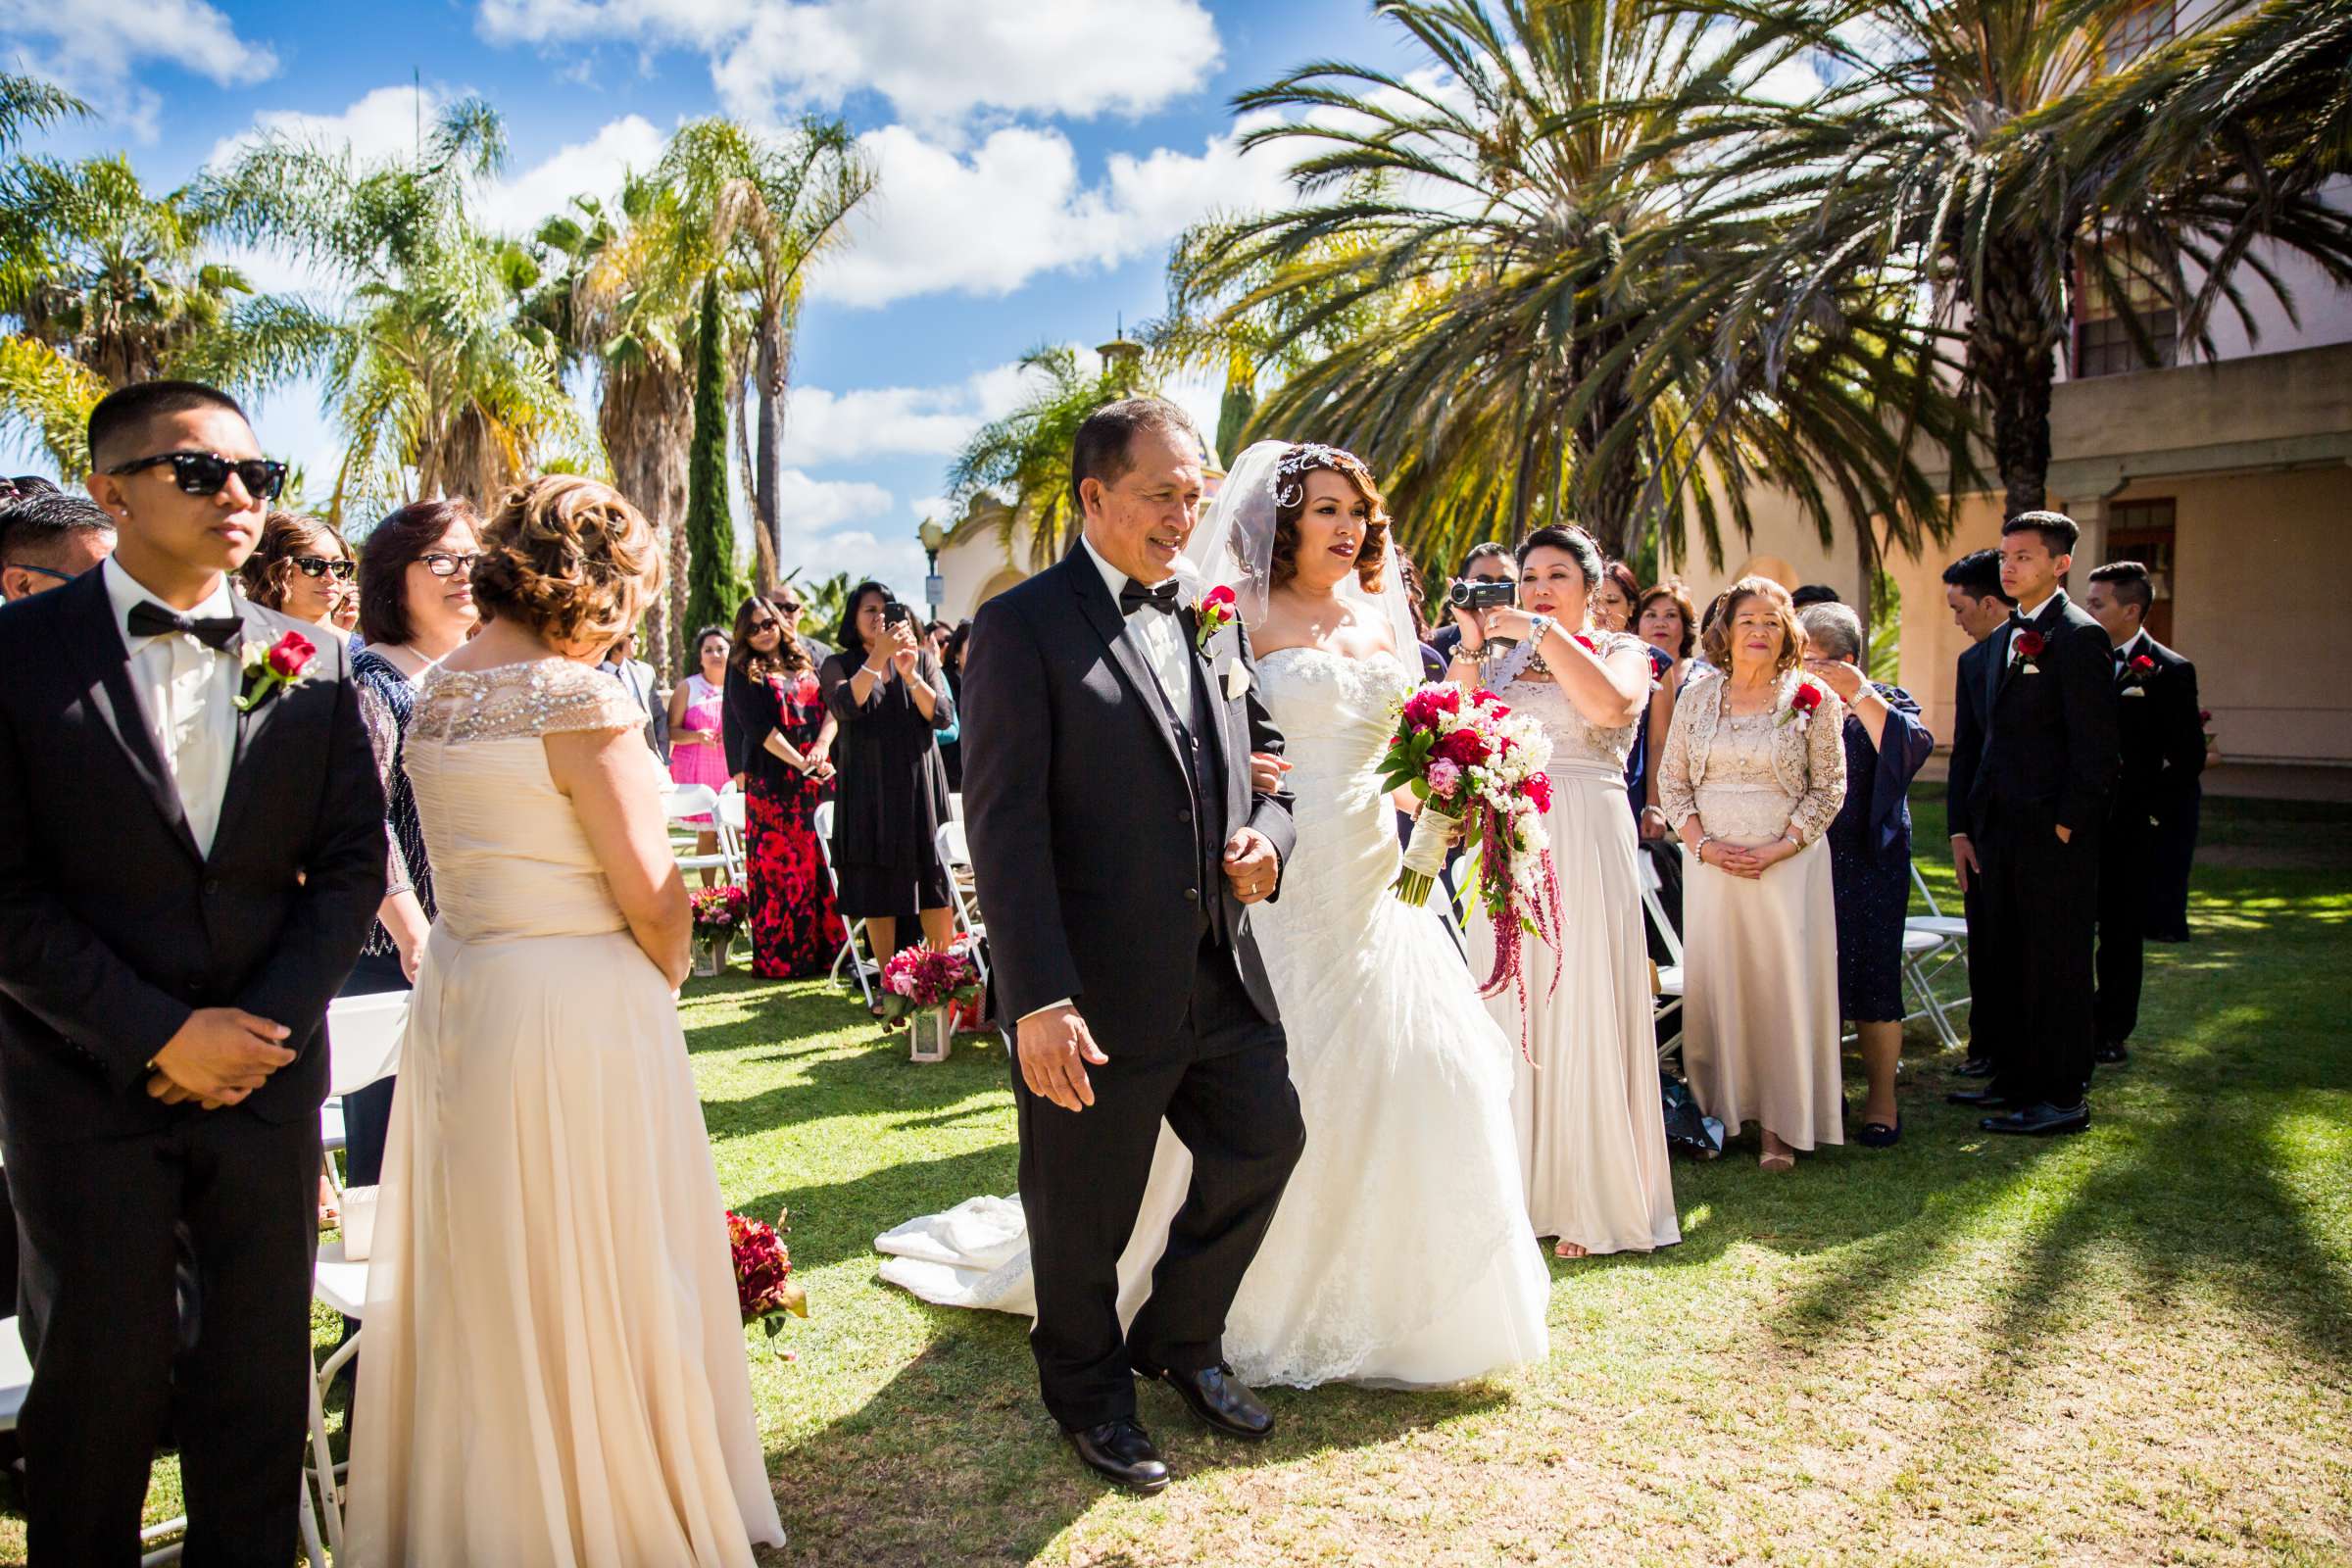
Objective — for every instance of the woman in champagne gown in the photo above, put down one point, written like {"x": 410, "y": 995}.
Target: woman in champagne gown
{"x": 554, "y": 1369}
{"x": 1591, "y": 1129}
{"x": 1401, "y": 1255}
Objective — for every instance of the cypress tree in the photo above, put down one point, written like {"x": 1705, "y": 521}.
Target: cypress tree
{"x": 715, "y": 579}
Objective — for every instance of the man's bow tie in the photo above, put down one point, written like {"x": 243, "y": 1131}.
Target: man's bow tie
{"x": 151, "y": 619}
{"x": 1135, "y": 596}
{"x": 2122, "y": 655}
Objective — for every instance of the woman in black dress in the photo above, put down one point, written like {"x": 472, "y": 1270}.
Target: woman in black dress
{"x": 778, "y": 737}
{"x": 1870, "y": 853}
{"x": 891, "y": 700}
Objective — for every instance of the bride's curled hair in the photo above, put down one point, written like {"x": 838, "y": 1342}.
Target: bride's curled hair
{"x": 1290, "y": 505}
{"x": 570, "y": 557}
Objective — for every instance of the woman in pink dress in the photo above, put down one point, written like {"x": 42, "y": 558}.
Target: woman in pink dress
{"x": 697, "y": 755}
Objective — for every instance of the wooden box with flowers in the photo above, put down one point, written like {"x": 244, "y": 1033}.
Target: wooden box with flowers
{"x": 925, "y": 984}
{"x": 718, "y": 914}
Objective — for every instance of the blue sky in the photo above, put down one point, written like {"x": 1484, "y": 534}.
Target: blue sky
{"x": 1036, "y": 158}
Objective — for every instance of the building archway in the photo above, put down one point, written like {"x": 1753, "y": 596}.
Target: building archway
{"x": 1007, "y": 578}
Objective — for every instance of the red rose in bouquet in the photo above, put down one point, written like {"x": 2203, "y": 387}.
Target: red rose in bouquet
{"x": 763, "y": 1286}
{"x": 1538, "y": 790}
{"x": 1464, "y": 748}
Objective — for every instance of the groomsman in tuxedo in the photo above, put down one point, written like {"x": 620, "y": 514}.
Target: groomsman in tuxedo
{"x": 2033, "y": 763}
{"x": 1971, "y": 588}
{"x": 2156, "y": 793}
{"x": 192, "y": 850}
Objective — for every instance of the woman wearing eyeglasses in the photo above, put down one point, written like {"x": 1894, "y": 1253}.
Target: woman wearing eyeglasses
{"x": 779, "y": 739}
{"x": 416, "y": 609}
{"x": 301, "y": 569}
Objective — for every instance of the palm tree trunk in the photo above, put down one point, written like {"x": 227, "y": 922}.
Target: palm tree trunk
{"x": 764, "y": 576}
{"x": 645, "y": 417}
{"x": 770, "y": 377}
{"x": 2012, "y": 355}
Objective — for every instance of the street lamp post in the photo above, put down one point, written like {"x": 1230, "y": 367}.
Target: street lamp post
{"x": 933, "y": 537}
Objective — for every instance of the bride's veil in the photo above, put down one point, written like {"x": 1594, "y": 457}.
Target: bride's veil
{"x": 1234, "y": 547}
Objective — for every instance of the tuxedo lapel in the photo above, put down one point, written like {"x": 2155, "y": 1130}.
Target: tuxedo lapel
{"x": 1101, "y": 612}
{"x": 2051, "y": 616}
{"x": 103, "y": 660}
{"x": 250, "y": 721}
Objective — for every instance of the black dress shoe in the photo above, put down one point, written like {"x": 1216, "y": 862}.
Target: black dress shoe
{"x": 2111, "y": 1056}
{"x": 1123, "y": 1451}
{"x": 1980, "y": 1100}
{"x": 2041, "y": 1120}
{"x": 1221, "y": 1399}
{"x": 1881, "y": 1135}
{"x": 1977, "y": 1068}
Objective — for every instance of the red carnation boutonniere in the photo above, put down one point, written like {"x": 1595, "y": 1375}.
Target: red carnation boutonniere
{"x": 2025, "y": 650}
{"x": 1804, "y": 703}
{"x": 271, "y": 668}
{"x": 1215, "y": 612}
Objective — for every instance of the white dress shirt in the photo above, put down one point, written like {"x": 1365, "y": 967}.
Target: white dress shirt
{"x": 1161, "y": 637}
{"x": 190, "y": 694}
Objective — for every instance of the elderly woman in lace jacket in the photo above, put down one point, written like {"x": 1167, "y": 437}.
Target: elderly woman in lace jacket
{"x": 1754, "y": 774}
{"x": 1870, "y": 852}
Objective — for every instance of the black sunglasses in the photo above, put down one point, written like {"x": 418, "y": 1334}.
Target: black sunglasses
{"x": 762, "y": 625}
{"x": 203, "y": 473}
{"x": 320, "y": 565}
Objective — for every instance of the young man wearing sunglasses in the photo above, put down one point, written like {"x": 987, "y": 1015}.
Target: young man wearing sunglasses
{"x": 47, "y": 540}
{"x": 192, "y": 850}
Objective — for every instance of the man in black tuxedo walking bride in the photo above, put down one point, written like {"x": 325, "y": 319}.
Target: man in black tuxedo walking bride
{"x": 1120, "y": 844}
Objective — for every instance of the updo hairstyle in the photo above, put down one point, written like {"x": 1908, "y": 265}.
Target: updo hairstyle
{"x": 1290, "y": 505}
{"x": 568, "y": 558}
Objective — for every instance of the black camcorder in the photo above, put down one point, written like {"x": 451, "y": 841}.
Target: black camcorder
{"x": 1482, "y": 593}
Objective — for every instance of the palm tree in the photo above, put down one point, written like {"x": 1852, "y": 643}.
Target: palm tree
{"x": 620, "y": 298}
{"x": 1987, "y": 146}
{"x": 114, "y": 280}
{"x": 774, "y": 205}
{"x": 717, "y": 586}
{"x": 1025, "y": 456}
{"x": 1548, "y": 318}
{"x": 443, "y": 381}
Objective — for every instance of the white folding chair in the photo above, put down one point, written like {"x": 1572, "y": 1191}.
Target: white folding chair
{"x": 365, "y": 1019}
{"x": 1669, "y": 1001}
{"x": 682, "y": 801}
{"x": 957, "y": 855}
{"x": 955, "y": 806}
{"x": 363, "y": 1039}
{"x": 731, "y": 829}
{"x": 853, "y": 952}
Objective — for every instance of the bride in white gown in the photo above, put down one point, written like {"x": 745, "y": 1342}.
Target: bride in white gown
{"x": 1402, "y": 1253}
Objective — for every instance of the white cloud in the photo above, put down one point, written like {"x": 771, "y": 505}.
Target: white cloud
{"x": 823, "y": 427}
{"x": 593, "y": 168}
{"x": 986, "y": 219}
{"x": 93, "y": 46}
{"x": 382, "y": 124}
{"x": 814, "y": 506}
{"x": 937, "y": 62}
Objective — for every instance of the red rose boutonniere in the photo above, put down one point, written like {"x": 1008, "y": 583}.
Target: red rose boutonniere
{"x": 1804, "y": 703}
{"x": 2136, "y": 674}
{"x": 2023, "y": 651}
{"x": 270, "y": 667}
{"x": 1215, "y": 612}
{"x": 2142, "y": 666}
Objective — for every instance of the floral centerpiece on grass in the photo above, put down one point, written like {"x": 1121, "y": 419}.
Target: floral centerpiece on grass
{"x": 922, "y": 979}
{"x": 763, "y": 1286}
{"x": 718, "y": 914}
{"x": 1478, "y": 770}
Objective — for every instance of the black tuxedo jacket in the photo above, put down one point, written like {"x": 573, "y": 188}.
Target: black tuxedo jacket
{"x": 113, "y": 928}
{"x": 2163, "y": 740}
{"x": 2041, "y": 739}
{"x": 1078, "y": 812}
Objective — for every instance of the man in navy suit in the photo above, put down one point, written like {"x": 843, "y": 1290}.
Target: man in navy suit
{"x": 1972, "y": 589}
{"x": 2156, "y": 796}
{"x": 2034, "y": 762}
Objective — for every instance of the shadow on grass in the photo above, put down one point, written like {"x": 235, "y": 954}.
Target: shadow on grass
{"x": 955, "y": 1461}
{"x": 2184, "y": 1174}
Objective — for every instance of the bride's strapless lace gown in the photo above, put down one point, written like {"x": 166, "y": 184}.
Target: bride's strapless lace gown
{"x": 1401, "y": 1253}
{"x": 553, "y": 1369}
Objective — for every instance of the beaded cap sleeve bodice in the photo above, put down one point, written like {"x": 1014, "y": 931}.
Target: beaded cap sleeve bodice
{"x": 510, "y": 857}
{"x": 1575, "y": 738}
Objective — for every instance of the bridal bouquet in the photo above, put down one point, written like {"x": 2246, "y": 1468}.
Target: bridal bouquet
{"x": 1477, "y": 769}
{"x": 920, "y": 978}
{"x": 763, "y": 1286}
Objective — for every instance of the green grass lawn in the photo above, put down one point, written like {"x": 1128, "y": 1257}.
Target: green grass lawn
{"x": 2130, "y": 1347}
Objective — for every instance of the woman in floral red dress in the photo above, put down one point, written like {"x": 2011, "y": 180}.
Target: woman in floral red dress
{"x": 778, "y": 735}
